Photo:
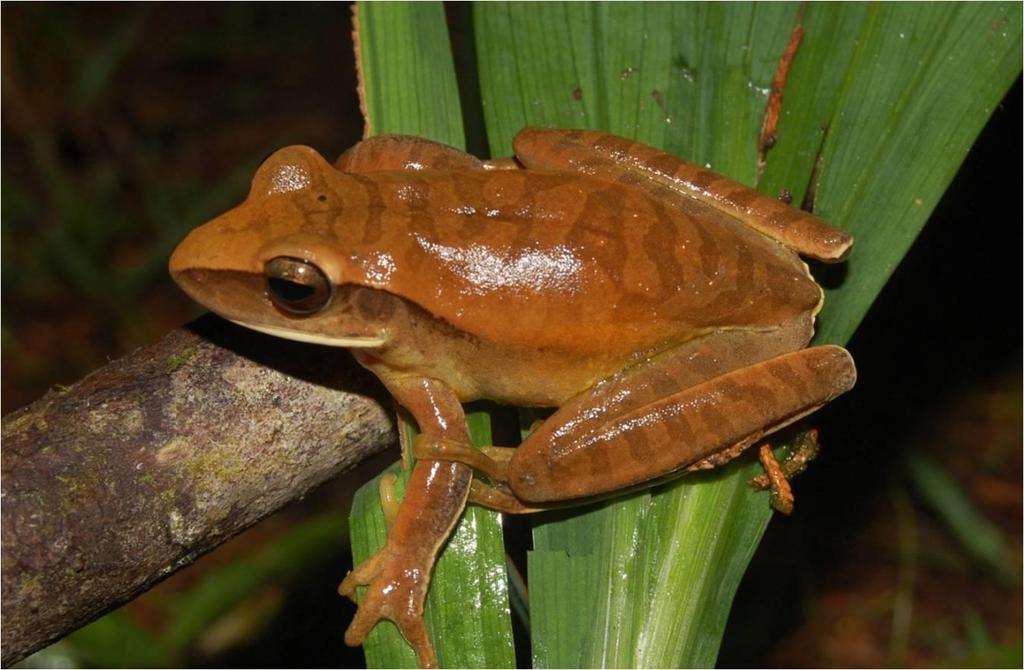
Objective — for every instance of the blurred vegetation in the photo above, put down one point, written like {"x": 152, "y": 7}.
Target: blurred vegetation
{"x": 120, "y": 135}
{"x": 126, "y": 125}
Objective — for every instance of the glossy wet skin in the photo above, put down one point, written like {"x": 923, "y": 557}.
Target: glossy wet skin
{"x": 596, "y": 273}
{"x": 662, "y": 308}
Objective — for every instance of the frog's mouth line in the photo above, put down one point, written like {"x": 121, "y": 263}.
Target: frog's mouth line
{"x": 315, "y": 338}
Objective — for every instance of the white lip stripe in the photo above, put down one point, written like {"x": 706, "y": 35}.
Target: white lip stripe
{"x": 299, "y": 336}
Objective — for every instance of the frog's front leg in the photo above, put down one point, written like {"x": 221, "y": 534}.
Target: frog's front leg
{"x": 397, "y": 577}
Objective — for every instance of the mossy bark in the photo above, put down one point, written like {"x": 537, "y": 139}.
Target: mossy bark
{"x": 132, "y": 473}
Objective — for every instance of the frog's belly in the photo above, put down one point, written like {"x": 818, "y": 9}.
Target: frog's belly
{"x": 523, "y": 377}
{"x": 474, "y": 367}
{"x": 550, "y": 378}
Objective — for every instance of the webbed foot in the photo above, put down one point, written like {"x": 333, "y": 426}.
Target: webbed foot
{"x": 777, "y": 475}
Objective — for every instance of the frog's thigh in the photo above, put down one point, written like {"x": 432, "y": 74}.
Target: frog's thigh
{"x": 673, "y": 431}
{"x": 691, "y": 363}
{"x": 404, "y": 152}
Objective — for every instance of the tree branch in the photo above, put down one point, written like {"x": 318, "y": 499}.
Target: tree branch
{"x": 146, "y": 464}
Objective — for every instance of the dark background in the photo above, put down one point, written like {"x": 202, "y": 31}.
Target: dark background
{"x": 124, "y": 126}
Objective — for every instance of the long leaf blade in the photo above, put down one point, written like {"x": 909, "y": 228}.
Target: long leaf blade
{"x": 407, "y": 74}
{"x": 695, "y": 79}
{"x": 922, "y": 83}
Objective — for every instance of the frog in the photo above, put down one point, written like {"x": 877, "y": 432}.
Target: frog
{"x": 663, "y": 311}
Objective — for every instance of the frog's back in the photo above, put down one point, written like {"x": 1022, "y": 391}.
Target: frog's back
{"x": 557, "y": 261}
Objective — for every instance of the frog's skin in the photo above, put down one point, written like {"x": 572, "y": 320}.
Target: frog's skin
{"x": 660, "y": 307}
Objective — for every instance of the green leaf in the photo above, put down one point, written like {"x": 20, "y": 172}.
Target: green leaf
{"x": 116, "y": 641}
{"x": 220, "y": 589}
{"x": 881, "y": 104}
{"x": 408, "y": 76}
{"x": 921, "y": 84}
{"x": 880, "y": 107}
{"x": 978, "y": 536}
{"x": 409, "y": 84}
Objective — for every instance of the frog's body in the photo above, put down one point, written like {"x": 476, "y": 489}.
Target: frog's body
{"x": 660, "y": 307}
{"x": 590, "y": 289}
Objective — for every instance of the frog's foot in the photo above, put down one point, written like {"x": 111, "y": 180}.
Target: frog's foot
{"x": 494, "y": 498}
{"x": 491, "y": 461}
{"x": 395, "y": 591}
{"x": 781, "y": 493}
{"x": 777, "y": 475}
{"x": 722, "y": 457}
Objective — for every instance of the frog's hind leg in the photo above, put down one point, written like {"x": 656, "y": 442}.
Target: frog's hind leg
{"x": 681, "y": 185}
{"x": 573, "y": 457}
{"x": 666, "y": 433}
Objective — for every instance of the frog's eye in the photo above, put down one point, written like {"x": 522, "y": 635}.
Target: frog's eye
{"x": 296, "y": 286}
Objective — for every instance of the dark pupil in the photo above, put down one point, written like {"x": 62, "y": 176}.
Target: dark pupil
{"x": 289, "y": 291}
{"x": 296, "y": 286}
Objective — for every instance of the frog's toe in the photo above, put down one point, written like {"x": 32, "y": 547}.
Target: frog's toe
{"x": 373, "y": 608}
{"x": 415, "y": 632}
{"x": 379, "y": 603}
{"x": 361, "y": 575}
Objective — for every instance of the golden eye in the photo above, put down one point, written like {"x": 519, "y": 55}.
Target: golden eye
{"x": 296, "y": 287}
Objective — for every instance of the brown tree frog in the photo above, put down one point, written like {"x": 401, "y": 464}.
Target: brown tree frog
{"x": 663, "y": 309}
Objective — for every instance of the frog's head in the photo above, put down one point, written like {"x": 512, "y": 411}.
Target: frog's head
{"x": 273, "y": 264}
